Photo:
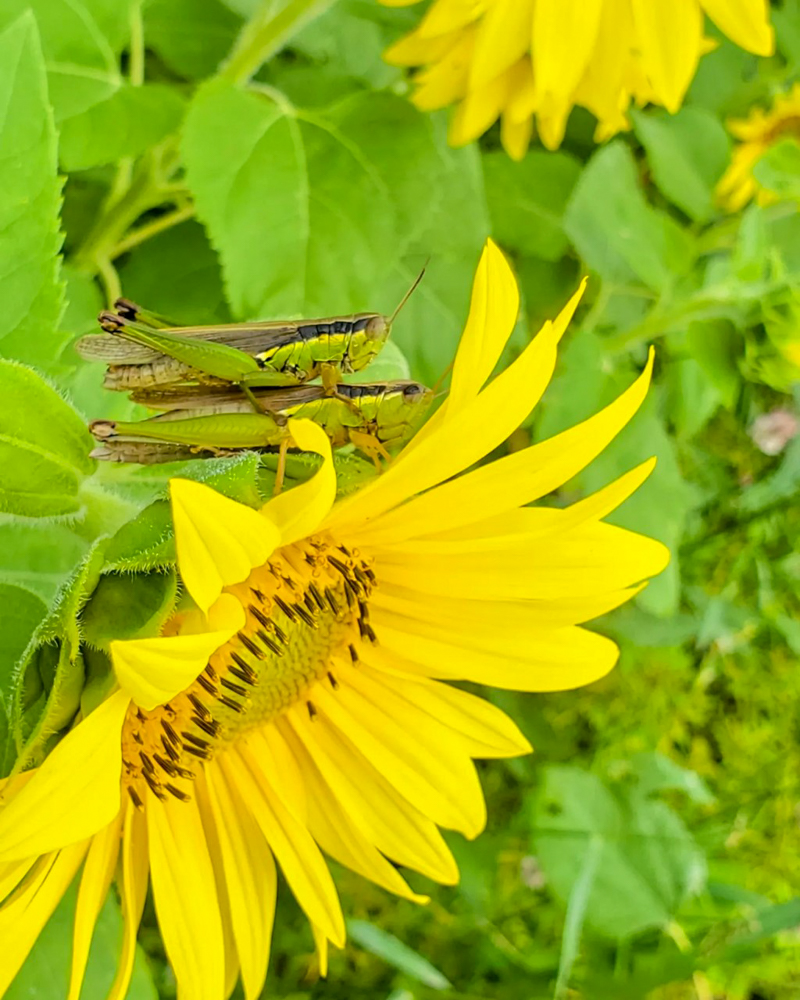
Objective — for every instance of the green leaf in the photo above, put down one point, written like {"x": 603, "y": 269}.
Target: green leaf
{"x": 657, "y": 773}
{"x": 191, "y": 36}
{"x": 688, "y": 153}
{"x": 286, "y": 195}
{"x": 613, "y": 228}
{"x": 177, "y": 273}
{"x": 126, "y": 124}
{"x": 20, "y": 612}
{"x": 30, "y": 191}
{"x": 527, "y": 200}
{"x": 44, "y": 447}
{"x": 351, "y": 38}
{"x": 648, "y": 862}
{"x": 45, "y": 974}
{"x": 762, "y": 925}
{"x": 576, "y": 914}
{"x": 786, "y": 20}
{"x": 393, "y": 951}
{"x": 456, "y": 225}
{"x": 81, "y": 41}
{"x": 38, "y": 555}
{"x": 715, "y": 346}
{"x": 778, "y": 170}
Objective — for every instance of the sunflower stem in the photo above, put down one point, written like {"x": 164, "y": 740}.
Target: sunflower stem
{"x": 267, "y": 33}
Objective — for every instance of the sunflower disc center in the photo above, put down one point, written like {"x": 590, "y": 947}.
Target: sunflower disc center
{"x": 305, "y": 608}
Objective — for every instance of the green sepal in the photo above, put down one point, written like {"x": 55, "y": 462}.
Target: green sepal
{"x": 128, "y": 606}
{"x": 100, "y": 679}
{"x": 49, "y": 677}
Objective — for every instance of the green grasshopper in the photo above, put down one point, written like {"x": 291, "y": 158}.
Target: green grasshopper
{"x": 220, "y": 421}
{"x": 143, "y": 351}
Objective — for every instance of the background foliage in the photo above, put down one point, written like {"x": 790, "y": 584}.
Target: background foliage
{"x": 650, "y": 847}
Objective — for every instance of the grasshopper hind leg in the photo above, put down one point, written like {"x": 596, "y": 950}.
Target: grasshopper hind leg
{"x": 280, "y": 472}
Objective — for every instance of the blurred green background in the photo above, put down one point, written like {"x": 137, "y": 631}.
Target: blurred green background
{"x": 650, "y": 847}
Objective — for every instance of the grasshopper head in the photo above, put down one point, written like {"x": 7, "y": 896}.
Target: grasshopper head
{"x": 102, "y": 430}
{"x": 402, "y": 410}
{"x": 367, "y": 343}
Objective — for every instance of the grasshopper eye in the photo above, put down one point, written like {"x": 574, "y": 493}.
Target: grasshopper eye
{"x": 413, "y": 392}
{"x": 377, "y": 328}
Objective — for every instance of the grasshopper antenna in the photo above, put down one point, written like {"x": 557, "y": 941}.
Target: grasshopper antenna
{"x": 408, "y": 294}
{"x": 441, "y": 379}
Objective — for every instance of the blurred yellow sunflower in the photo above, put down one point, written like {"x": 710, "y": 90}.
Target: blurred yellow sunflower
{"x": 513, "y": 59}
{"x": 756, "y": 134}
{"x": 299, "y": 707}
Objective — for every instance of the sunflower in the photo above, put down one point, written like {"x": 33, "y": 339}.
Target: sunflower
{"x": 513, "y": 59}
{"x": 756, "y": 134}
{"x": 301, "y": 703}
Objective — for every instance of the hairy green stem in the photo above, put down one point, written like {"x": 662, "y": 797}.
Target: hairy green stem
{"x": 151, "y": 229}
{"x": 136, "y": 63}
{"x": 265, "y": 34}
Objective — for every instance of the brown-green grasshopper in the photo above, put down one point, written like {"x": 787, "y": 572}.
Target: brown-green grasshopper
{"x": 219, "y": 420}
{"x": 143, "y": 351}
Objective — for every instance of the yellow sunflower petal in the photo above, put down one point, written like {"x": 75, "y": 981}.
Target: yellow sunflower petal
{"x": 431, "y": 773}
{"x": 98, "y": 872}
{"x": 232, "y": 965}
{"x": 336, "y": 833}
{"x": 395, "y": 826}
{"x": 218, "y": 540}
{"x": 503, "y": 37}
{"x": 152, "y": 671}
{"x": 321, "y": 945}
{"x": 511, "y": 481}
{"x": 745, "y": 22}
{"x": 480, "y": 728}
{"x": 298, "y": 512}
{"x": 493, "y": 312}
{"x": 446, "y": 80}
{"x": 416, "y": 50}
{"x": 492, "y": 316}
{"x": 12, "y": 873}
{"x": 436, "y": 616}
{"x": 75, "y": 792}
{"x": 515, "y": 136}
{"x": 133, "y": 891}
{"x": 22, "y": 918}
{"x": 539, "y": 522}
{"x": 560, "y": 660}
{"x": 670, "y": 36}
{"x": 563, "y": 38}
{"x": 250, "y": 877}
{"x": 602, "y": 89}
{"x": 293, "y": 846}
{"x": 278, "y": 764}
{"x": 450, "y": 15}
{"x": 469, "y": 435}
{"x": 185, "y": 895}
{"x": 589, "y": 560}
{"x": 480, "y": 109}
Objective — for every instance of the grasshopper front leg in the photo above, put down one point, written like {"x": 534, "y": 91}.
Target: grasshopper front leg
{"x": 369, "y": 444}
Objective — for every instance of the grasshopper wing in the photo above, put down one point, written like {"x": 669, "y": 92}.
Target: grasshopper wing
{"x": 224, "y": 399}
